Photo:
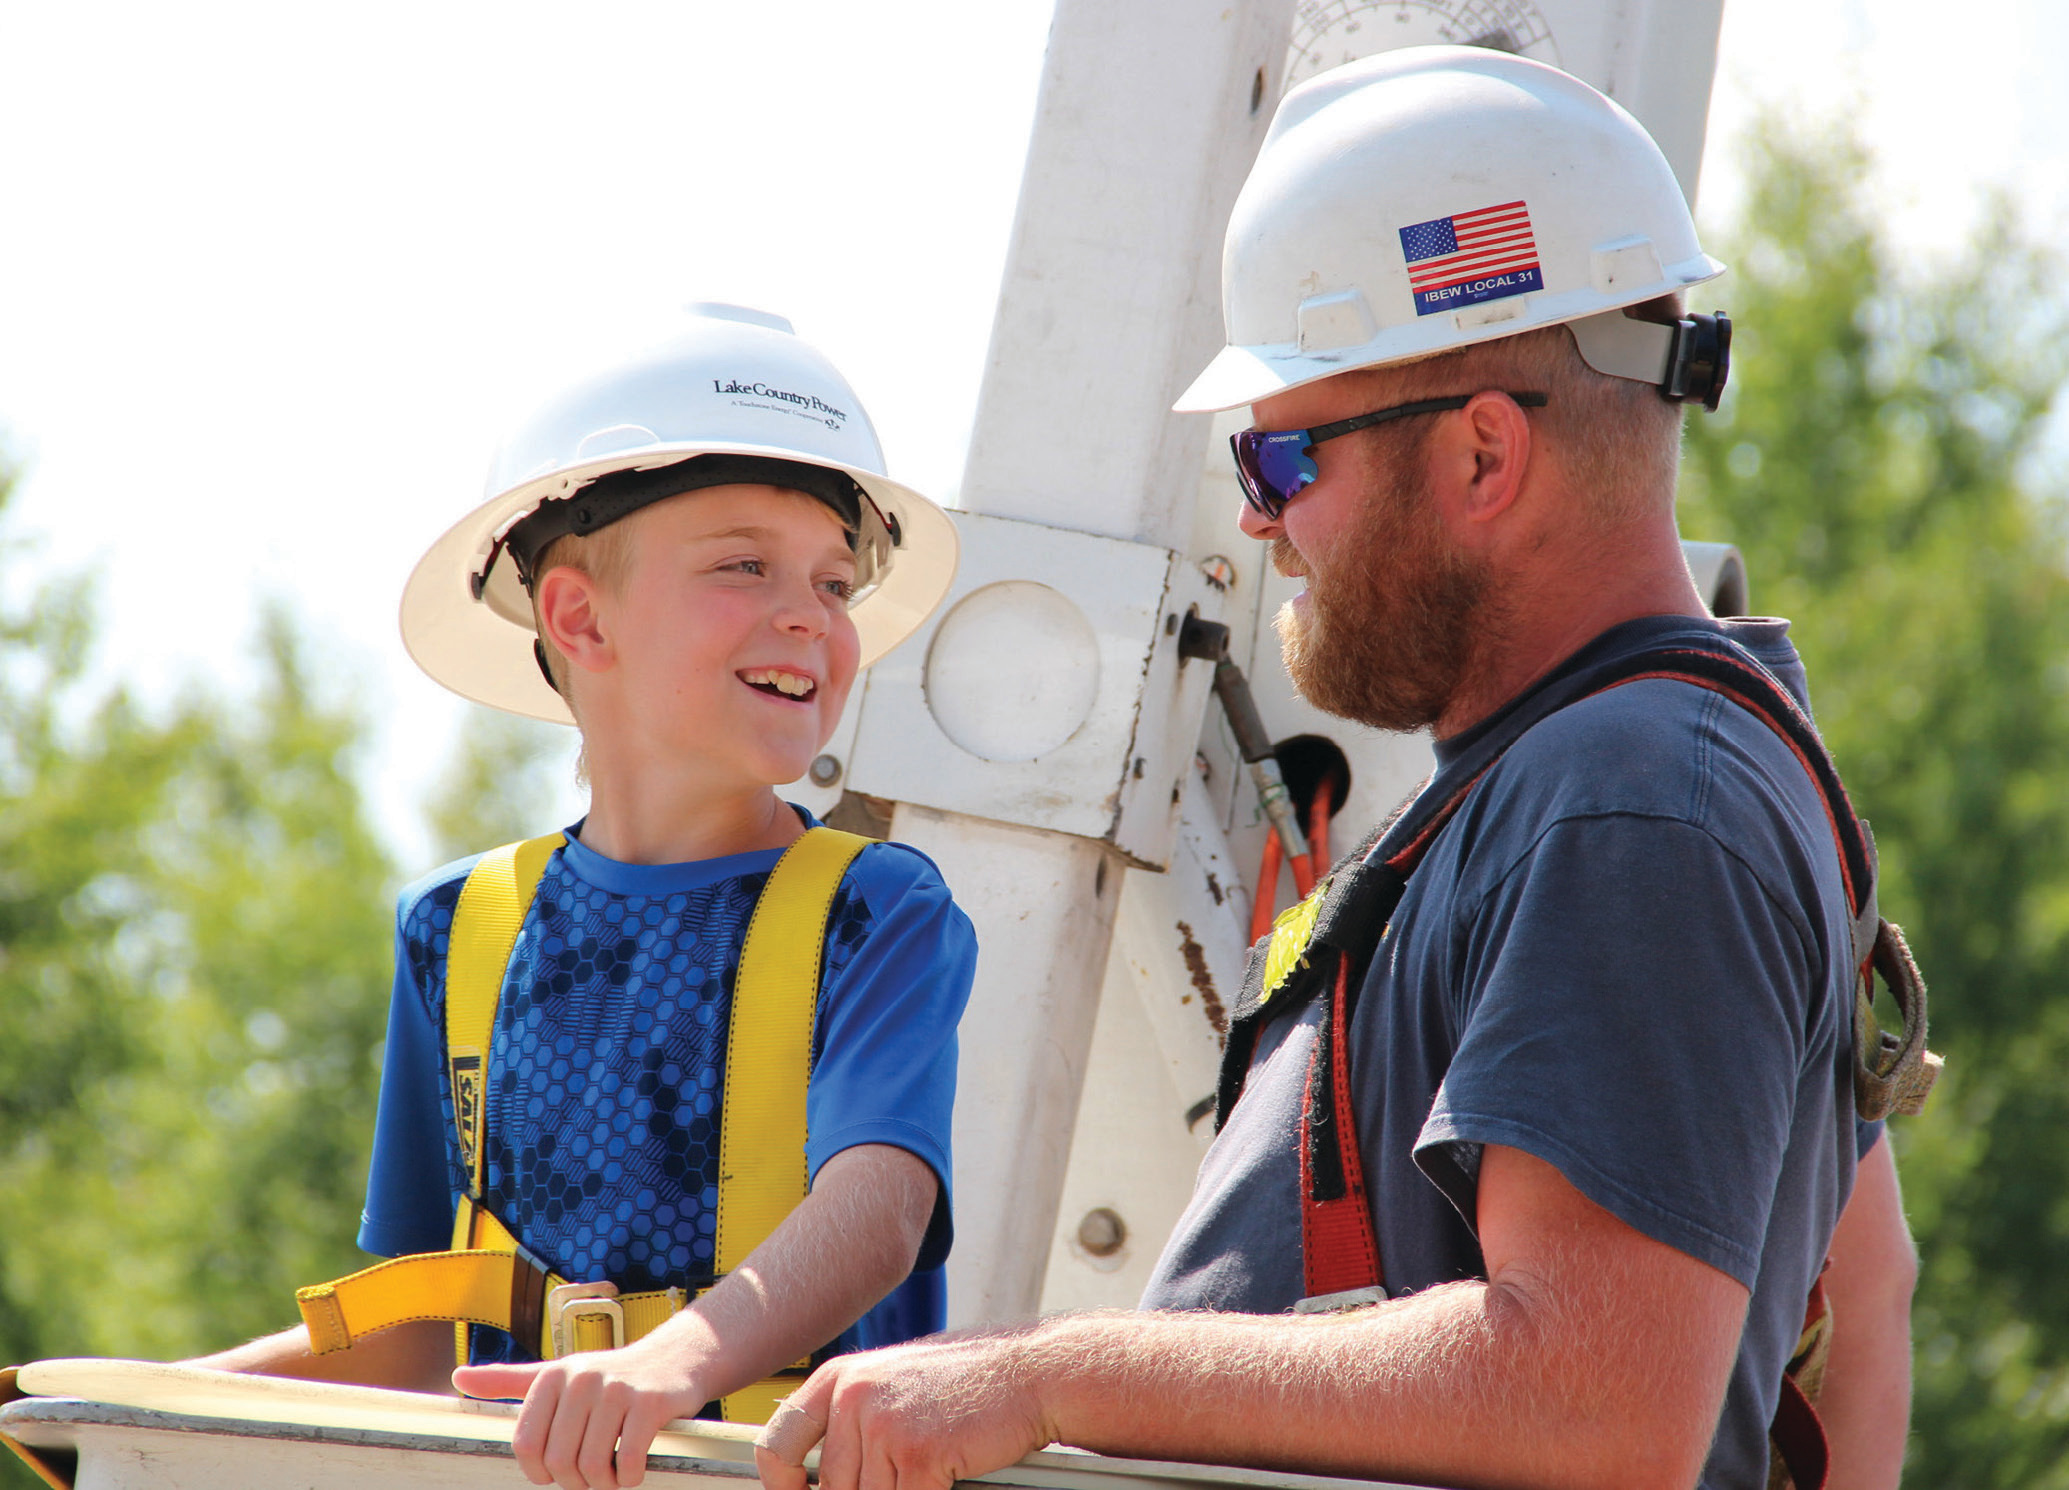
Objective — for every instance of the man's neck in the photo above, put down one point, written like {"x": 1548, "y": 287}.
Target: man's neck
{"x": 1562, "y": 600}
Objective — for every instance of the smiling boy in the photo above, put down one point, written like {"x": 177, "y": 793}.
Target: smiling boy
{"x": 657, "y": 1209}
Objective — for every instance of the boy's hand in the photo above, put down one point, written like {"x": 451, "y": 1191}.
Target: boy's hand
{"x": 588, "y": 1419}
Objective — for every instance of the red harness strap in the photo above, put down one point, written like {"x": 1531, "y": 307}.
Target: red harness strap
{"x": 1338, "y": 1246}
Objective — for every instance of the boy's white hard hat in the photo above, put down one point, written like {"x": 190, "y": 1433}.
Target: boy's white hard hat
{"x": 1432, "y": 197}
{"x": 736, "y": 382}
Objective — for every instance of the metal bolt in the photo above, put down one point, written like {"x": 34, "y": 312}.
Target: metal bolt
{"x": 826, "y": 770}
{"x": 1102, "y": 1233}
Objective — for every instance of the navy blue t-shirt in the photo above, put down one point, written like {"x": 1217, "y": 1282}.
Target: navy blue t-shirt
{"x": 1628, "y": 955}
{"x": 607, "y": 1066}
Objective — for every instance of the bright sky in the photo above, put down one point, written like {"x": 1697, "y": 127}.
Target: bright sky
{"x": 273, "y": 278}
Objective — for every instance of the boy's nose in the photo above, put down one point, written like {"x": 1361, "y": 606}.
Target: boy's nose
{"x": 801, "y": 610}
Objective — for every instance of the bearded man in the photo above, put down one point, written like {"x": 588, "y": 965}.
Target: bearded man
{"x": 1535, "y": 1191}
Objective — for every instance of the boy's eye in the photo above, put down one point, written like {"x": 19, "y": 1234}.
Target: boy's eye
{"x": 845, "y": 589}
{"x": 750, "y": 566}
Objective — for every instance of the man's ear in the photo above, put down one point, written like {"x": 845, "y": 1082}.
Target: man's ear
{"x": 1478, "y": 460}
{"x": 571, "y": 615}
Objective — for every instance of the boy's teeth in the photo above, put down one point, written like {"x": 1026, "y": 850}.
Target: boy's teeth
{"x": 783, "y": 682}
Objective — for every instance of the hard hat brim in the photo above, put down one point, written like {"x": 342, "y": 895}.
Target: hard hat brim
{"x": 1241, "y": 375}
{"x": 483, "y": 651}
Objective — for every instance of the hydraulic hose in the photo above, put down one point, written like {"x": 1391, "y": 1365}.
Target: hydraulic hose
{"x": 1254, "y": 744}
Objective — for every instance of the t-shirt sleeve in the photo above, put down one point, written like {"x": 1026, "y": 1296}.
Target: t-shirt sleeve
{"x": 901, "y": 958}
{"x": 1631, "y": 991}
{"x": 409, "y": 1198}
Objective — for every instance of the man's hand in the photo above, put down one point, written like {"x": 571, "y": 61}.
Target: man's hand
{"x": 914, "y": 1417}
{"x": 589, "y": 1419}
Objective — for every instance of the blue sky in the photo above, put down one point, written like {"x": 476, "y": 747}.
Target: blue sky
{"x": 274, "y": 277}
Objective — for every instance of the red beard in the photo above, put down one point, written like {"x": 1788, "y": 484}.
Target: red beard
{"x": 1393, "y": 616}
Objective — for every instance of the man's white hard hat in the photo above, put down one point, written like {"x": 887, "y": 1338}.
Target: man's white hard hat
{"x": 736, "y": 385}
{"x": 1428, "y": 198}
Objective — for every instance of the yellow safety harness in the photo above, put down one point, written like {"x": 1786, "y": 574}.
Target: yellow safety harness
{"x": 488, "y": 1278}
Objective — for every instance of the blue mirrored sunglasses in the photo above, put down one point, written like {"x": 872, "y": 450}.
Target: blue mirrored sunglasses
{"x": 1273, "y": 464}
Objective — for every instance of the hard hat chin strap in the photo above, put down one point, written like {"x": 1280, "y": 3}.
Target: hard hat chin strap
{"x": 1687, "y": 360}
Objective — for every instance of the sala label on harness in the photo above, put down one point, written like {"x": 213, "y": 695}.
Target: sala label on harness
{"x": 467, "y": 1090}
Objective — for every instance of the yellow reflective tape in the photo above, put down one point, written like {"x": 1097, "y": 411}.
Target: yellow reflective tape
{"x": 1287, "y": 952}
{"x": 491, "y": 909}
{"x": 761, "y": 1158}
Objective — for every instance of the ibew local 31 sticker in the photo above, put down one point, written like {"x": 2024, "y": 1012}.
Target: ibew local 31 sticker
{"x": 1486, "y": 254}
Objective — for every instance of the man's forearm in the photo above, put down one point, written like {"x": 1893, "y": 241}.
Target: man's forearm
{"x": 1456, "y": 1385}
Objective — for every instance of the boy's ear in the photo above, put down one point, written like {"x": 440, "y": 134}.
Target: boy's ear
{"x": 571, "y": 617}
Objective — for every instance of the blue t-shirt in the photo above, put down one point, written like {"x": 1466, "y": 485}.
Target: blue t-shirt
{"x": 607, "y": 1066}
{"x": 1628, "y": 955}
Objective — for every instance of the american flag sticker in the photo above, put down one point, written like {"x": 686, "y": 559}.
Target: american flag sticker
{"x": 1471, "y": 256}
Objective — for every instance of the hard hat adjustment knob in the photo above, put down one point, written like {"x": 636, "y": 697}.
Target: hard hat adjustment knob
{"x": 1700, "y": 361}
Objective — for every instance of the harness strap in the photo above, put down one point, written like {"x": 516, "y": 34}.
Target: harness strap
{"x": 486, "y": 921}
{"x": 488, "y": 1277}
{"x": 761, "y": 1154}
{"x": 1339, "y": 1248}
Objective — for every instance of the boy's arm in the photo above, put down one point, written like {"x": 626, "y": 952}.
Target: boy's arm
{"x": 415, "y": 1357}
{"x": 588, "y": 1419}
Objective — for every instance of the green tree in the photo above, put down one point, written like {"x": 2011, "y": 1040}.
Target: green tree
{"x": 194, "y": 958}
{"x": 259, "y": 947}
{"x": 1879, "y": 460}
{"x": 500, "y": 781}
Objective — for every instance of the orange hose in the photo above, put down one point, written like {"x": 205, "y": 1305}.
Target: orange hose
{"x": 1318, "y": 815}
{"x": 1303, "y": 874}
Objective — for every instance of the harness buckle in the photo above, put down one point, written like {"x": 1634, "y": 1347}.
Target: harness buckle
{"x": 570, "y": 1308}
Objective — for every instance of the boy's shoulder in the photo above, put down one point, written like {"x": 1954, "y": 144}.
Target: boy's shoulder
{"x": 887, "y": 866}
{"x": 433, "y": 895}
